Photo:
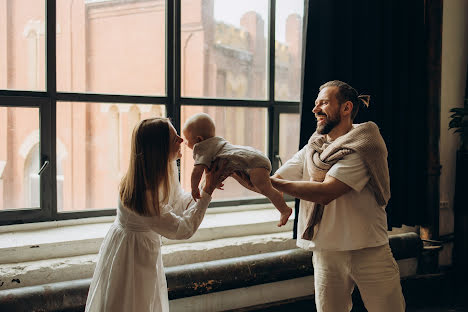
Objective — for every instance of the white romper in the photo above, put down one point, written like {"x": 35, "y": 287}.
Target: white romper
{"x": 240, "y": 158}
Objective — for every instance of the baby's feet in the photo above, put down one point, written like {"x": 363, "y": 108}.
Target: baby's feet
{"x": 284, "y": 217}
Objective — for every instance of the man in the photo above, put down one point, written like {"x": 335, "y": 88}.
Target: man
{"x": 341, "y": 177}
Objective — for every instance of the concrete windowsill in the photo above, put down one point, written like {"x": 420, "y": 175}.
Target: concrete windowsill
{"x": 32, "y": 254}
{"x": 49, "y": 252}
{"x": 211, "y": 285}
{"x": 38, "y": 241}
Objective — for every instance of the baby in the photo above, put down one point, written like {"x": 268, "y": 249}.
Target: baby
{"x": 199, "y": 132}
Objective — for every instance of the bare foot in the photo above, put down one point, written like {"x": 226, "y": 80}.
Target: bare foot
{"x": 284, "y": 217}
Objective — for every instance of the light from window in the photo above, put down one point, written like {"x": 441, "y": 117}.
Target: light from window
{"x": 19, "y": 158}
{"x": 224, "y": 49}
{"x": 240, "y": 126}
{"x": 289, "y": 129}
{"x": 94, "y": 150}
{"x": 288, "y": 49}
{"x": 113, "y": 47}
{"x": 22, "y": 45}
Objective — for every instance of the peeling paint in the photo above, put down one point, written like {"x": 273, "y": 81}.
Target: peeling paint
{"x": 15, "y": 280}
{"x": 208, "y": 285}
{"x": 35, "y": 246}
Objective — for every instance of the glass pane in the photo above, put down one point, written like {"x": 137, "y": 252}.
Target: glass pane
{"x": 288, "y": 49}
{"x": 224, "y": 48}
{"x": 19, "y": 158}
{"x": 113, "y": 47}
{"x": 22, "y": 45}
{"x": 289, "y": 129}
{"x": 238, "y": 125}
{"x": 93, "y": 150}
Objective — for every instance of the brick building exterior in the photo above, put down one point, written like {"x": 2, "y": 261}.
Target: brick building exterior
{"x": 118, "y": 47}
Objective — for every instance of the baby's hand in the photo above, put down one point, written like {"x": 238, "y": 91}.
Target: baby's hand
{"x": 196, "y": 194}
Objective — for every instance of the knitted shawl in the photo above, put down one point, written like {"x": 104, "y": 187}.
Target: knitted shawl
{"x": 364, "y": 139}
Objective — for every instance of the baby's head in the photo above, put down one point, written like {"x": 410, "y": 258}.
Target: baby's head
{"x": 197, "y": 128}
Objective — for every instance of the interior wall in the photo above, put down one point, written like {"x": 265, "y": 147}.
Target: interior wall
{"x": 454, "y": 67}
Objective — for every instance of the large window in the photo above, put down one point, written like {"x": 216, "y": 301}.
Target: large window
{"x": 77, "y": 75}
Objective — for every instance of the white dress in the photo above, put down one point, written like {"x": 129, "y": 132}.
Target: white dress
{"x": 129, "y": 274}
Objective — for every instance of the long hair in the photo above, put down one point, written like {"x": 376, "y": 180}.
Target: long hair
{"x": 147, "y": 181}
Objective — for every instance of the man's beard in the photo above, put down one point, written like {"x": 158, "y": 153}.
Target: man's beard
{"x": 330, "y": 123}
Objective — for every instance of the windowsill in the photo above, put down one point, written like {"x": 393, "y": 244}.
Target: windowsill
{"x": 51, "y": 252}
{"x": 47, "y": 252}
{"x": 37, "y": 241}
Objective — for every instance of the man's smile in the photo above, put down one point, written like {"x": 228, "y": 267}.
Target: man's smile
{"x": 320, "y": 118}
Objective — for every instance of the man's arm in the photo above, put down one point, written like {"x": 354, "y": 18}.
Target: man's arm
{"x": 277, "y": 176}
{"x": 293, "y": 169}
{"x": 318, "y": 192}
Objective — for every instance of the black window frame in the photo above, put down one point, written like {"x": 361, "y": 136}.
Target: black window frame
{"x": 46, "y": 102}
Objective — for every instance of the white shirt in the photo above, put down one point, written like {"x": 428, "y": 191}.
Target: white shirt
{"x": 352, "y": 221}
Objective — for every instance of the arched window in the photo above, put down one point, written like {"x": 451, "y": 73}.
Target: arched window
{"x": 31, "y": 179}
{"x": 32, "y": 32}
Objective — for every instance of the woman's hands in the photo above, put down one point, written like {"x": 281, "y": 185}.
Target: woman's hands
{"x": 215, "y": 176}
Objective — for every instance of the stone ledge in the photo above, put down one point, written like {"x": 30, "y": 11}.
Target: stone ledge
{"x": 16, "y": 275}
{"x": 419, "y": 290}
{"x": 33, "y": 242}
{"x": 219, "y": 275}
{"x": 240, "y": 299}
{"x": 46, "y": 271}
{"x": 36, "y": 254}
{"x": 187, "y": 253}
{"x": 191, "y": 284}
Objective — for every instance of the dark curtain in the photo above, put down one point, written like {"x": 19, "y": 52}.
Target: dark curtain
{"x": 466, "y": 86}
{"x": 378, "y": 47}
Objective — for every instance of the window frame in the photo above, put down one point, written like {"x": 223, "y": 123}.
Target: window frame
{"x": 46, "y": 102}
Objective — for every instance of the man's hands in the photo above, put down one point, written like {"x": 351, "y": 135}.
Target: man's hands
{"x": 276, "y": 182}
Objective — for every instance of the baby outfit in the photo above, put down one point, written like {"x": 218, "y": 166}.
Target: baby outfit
{"x": 239, "y": 157}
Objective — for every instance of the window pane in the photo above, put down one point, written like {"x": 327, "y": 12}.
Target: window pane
{"x": 22, "y": 45}
{"x": 93, "y": 150}
{"x": 19, "y": 158}
{"x": 289, "y": 129}
{"x": 288, "y": 49}
{"x": 238, "y": 125}
{"x": 224, "y": 48}
{"x": 113, "y": 47}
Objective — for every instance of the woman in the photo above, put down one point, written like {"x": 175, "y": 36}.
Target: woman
{"x": 129, "y": 274}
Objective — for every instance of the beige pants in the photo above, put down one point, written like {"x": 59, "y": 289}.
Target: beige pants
{"x": 373, "y": 270}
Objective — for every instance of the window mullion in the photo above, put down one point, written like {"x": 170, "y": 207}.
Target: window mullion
{"x": 48, "y": 119}
{"x": 173, "y": 28}
{"x": 272, "y": 139}
{"x": 271, "y": 52}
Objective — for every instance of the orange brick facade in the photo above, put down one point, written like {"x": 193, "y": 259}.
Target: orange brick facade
{"x": 118, "y": 47}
